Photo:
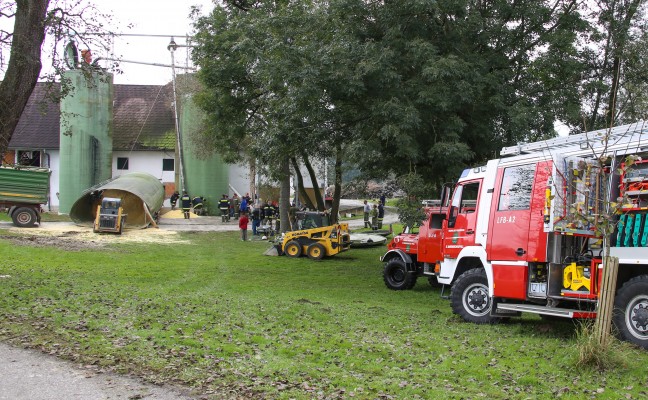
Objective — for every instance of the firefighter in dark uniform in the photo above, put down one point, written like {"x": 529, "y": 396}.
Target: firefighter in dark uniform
{"x": 266, "y": 214}
{"x": 223, "y": 206}
{"x": 198, "y": 205}
{"x": 381, "y": 214}
{"x": 174, "y": 200}
{"x": 185, "y": 202}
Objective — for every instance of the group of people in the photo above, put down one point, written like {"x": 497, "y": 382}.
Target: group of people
{"x": 186, "y": 203}
{"x": 377, "y": 213}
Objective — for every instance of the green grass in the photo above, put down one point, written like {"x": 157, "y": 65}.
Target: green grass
{"x": 222, "y": 318}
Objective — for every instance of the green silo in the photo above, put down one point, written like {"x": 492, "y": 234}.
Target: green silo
{"x": 86, "y": 134}
{"x": 206, "y": 176}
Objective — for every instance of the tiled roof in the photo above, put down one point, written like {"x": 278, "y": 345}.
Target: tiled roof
{"x": 143, "y": 119}
{"x": 38, "y": 127}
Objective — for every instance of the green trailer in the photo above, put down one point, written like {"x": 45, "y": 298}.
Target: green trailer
{"x": 23, "y": 191}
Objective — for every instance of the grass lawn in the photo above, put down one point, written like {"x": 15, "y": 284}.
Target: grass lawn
{"x": 217, "y": 315}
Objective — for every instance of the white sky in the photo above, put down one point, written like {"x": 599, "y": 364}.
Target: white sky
{"x": 150, "y": 17}
{"x": 140, "y": 17}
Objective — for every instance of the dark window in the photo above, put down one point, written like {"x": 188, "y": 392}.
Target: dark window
{"x": 122, "y": 162}
{"x": 517, "y": 184}
{"x": 168, "y": 164}
{"x": 469, "y": 197}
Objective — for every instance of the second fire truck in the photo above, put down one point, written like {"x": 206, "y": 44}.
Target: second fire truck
{"x": 520, "y": 234}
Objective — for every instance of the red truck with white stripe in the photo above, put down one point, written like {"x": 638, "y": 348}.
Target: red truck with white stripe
{"x": 520, "y": 233}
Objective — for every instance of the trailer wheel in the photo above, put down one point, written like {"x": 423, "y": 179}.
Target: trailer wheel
{"x": 24, "y": 217}
{"x": 631, "y": 311}
{"x": 293, "y": 249}
{"x": 470, "y": 299}
{"x": 315, "y": 251}
{"x": 397, "y": 277}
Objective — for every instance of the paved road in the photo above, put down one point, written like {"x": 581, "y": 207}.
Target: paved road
{"x": 32, "y": 375}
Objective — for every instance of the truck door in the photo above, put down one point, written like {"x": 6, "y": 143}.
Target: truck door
{"x": 430, "y": 237}
{"x": 462, "y": 221}
{"x": 515, "y": 227}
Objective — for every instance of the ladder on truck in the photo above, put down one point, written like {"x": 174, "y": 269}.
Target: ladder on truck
{"x": 630, "y": 138}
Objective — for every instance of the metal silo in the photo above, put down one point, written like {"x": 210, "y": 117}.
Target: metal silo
{"x": 142, "y": 195}
{"x": 204, "y": 176}
{"x": 86, "y": 134}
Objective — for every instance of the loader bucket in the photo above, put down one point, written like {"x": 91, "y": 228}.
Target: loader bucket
{"x": 275, "y": 250}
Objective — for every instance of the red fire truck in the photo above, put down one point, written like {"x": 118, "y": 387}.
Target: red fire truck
{"x": 520, "y": 233}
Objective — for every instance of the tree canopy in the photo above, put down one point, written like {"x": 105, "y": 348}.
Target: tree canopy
{"x": 397, "y": 87}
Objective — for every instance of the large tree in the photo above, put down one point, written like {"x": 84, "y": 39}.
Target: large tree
{"x": 392, "y": 87}
{"x": 24, "y": 66}
{"x": 33, "y": 20}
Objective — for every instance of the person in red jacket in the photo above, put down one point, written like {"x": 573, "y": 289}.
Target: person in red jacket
{"x": 243, "y": 223}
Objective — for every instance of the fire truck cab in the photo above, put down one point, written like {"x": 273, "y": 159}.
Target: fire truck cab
{"x": 524, "y": 233}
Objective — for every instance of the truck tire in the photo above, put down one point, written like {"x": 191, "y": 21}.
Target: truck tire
{"x": 397, "y": 277}
{"x": 631, "y": 311}
{"x": 24, "y": 217}
{"x": 293, "y": 249}
{"x": 315, "y": 251}
{"x": 469, "y": 297}
{"x": 434, "y": 282}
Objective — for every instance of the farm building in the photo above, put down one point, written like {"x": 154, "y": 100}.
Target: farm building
{"x": 100, "y": 131}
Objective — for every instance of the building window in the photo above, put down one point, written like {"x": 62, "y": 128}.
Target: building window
{"x": 168, "y": 164}
{"x": 122, "y": 162}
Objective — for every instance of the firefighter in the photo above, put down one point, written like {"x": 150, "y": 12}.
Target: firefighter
{"x": 381, "y": 214}
{"x": 374, "y": 217}
{"x": 267, "y": 214}
{"x": 235, "y": 202}
{"x": 223, "y": 206}
{"x": 197, "y": 205}
{"x": 185, "y": 202}
{"x": 174, "y": 200}
{"x": 366, "y": 210}
{"x": 256, "y": 219}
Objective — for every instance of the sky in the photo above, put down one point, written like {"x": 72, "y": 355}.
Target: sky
{"x": 149, "y": 17}
{"x": 163, "y": 18}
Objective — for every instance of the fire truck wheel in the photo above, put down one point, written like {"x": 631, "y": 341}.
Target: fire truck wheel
{"x": 24, "y": 217}
{"x": 293, "y": 249}
{"x": 469, "y": 297}
{"x": 433, "y": 281}
{"x": 397, "y": 277}
{"x": 631, "y": 311}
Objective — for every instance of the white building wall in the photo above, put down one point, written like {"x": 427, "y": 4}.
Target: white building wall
{"x": 144, "y": 161}
{"x": 52, "y": 160}
{"x": 239, "y": 179}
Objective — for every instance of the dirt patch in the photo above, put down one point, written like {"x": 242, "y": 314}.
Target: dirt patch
{"x": 71, "y": 237}
{"x": 51, "y": 241}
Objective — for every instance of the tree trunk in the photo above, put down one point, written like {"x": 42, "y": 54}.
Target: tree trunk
{"x": 337, "y": 191}
{"x": 318, "y": 194}
{"x": 606, "y": 300}
{"x": 24, "y": 65}
{"x": 300, "y": 185}
{"x": 253, "y": 192}
{"x": 284, "y": 197}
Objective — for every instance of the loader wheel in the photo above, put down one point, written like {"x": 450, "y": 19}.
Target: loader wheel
{"x": 293, "y": 249}
{"x": 24, "y": 217}
{"x": 631, "y": 311}
{"x": 397, "y": 277}
{"x": 315, "y": 251}
{"x": 470, "y": 299}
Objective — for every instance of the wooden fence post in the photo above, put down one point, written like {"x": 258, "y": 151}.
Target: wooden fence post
{"x": 606, "y": 300}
